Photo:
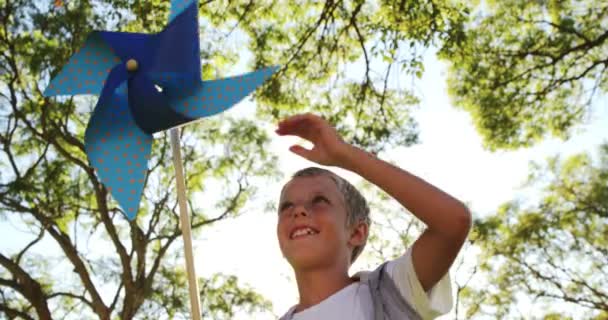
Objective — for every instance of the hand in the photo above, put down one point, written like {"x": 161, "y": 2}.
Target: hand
{"x": 329, "y": 148}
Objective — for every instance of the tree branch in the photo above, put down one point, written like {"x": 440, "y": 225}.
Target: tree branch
{"x": 71, "y": 295}
{"x": 71, "y": 253}
{"x": 28, "y": 287}
{"x": 29, "y": 245}
{"x": 12, "y": 313}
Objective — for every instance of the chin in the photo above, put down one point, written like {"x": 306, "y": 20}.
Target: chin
{"x": 304, "y": 261}
{"x": 308, "y": 260}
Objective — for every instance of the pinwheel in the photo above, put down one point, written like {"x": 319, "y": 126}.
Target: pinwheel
{"x": 146, "y": 83}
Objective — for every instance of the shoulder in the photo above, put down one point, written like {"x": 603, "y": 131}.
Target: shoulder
{"x": 430, "y": 304}
{"x": 289, "y": 314}
{"x": 437, "y": 301}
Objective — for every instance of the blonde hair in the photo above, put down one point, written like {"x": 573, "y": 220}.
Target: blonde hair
{"x": 357, "y": 209}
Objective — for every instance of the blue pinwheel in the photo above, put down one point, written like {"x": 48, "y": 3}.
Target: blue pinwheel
{"x": 146, "y": 83}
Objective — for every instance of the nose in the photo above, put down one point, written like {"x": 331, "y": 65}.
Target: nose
{"x": 300, "y": 210}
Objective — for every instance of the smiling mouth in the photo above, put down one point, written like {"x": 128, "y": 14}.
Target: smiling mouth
{"x": 302, "y": 233}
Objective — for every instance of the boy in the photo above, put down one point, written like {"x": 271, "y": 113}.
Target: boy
{"x": 323, "y": 226}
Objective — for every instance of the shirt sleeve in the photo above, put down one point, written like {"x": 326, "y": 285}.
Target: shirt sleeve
{"x": 431, "y": 304}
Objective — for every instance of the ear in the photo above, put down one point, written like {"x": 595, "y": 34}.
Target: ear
{"x": 358, "y": 234}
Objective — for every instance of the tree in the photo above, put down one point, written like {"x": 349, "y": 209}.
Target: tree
{"x": 530, "y": 69}
{"x": 48, "y": 188}
{"x": 552, "y": 251}
{"x": 320, "y": 44}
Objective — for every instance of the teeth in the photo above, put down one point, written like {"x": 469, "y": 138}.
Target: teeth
{"x": 302, "y": 232}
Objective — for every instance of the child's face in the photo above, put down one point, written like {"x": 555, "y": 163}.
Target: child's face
{"x": 311, "y": 227}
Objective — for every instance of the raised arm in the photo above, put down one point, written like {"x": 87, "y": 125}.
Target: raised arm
{"x": 448, "y": 220}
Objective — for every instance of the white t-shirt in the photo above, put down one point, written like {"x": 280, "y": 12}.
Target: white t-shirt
{"x": 355, "y": 302}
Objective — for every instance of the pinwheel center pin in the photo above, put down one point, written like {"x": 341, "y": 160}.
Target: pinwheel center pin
{"x": 131, "y": 65}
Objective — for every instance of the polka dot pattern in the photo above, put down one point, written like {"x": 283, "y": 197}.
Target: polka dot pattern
{"x": 119, "y": 151}
{"x": 86, "y": 71}
{"x": 116, "y": 147}
{"x": 196, "y": 99}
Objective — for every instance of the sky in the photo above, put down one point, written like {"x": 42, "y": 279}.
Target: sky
{"x": 449, "y": 156}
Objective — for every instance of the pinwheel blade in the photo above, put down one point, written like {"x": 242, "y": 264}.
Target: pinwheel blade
{"x": 119, "y": 151}
{"x": 178, "y": 45}
{"x": 177, "y": 6}
{"x": 150, "y": 108}
{"x": 197, "y": 100}
{"x": 137, "y": 46}
{"x": 86, "y": 70}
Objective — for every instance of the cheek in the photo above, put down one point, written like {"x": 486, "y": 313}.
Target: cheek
{"x": 279, "y": 228}
{"x": 280, "y": 222}
{"x": 332, "y": 223}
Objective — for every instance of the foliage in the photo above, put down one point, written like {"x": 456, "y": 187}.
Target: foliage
{"x": 552, "y": 251}
{"x": 129, "y": 270}
{"x": 530, "y": 69}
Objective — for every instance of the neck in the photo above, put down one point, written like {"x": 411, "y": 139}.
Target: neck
{"x": 316, "y": 285}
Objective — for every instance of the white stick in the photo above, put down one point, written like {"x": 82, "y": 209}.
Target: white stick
{"x": 185, "y": 225}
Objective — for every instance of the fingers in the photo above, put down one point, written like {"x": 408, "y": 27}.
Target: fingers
{"x": 298, "y": 129}
{"x": 299, "y": 119}
{"x": 314, "y": 129}
{"x": 301, "y": 151}
{"x": 300, "y": 125}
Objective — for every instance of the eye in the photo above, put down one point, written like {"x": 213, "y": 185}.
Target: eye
{"x": 284, "y": 206}
{"x": 318, "y": 199}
